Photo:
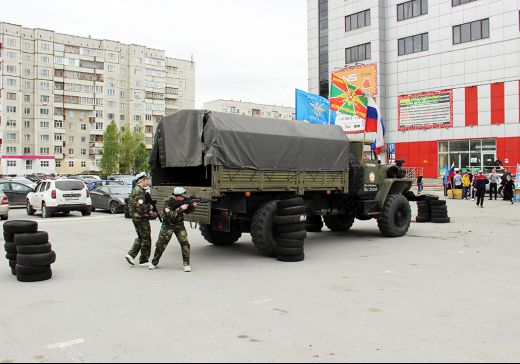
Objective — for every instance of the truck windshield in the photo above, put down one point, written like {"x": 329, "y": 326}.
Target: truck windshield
{"x": 70, "y": 185}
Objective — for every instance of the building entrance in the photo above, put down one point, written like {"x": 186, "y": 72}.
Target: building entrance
{"x": 468, "y": 154}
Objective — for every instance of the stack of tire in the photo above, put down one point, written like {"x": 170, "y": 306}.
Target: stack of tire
{"x": 289, "y": 230}
{"x": 314, "y": 223}
{"x": 33, "y": 257}
{"x": 432, "y": 209}
{"x": 424, "y": 212}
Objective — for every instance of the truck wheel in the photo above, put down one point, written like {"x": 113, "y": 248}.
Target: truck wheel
{"x": 262, "y": 229}
{"x": 340, "y": 222}
{"x": 396, "y": 217}
{"x": 220, "y": 238}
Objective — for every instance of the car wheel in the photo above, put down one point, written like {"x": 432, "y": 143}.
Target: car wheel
{"x": 5, "y": 217}
{"x": 93, "y": 209}
{"x": 30, "y": 209}
{"x": 45, "y": 212}
{"x": 113, "y": 207}
{"x": 86, "y": 212}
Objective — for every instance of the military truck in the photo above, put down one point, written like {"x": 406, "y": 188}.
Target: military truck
{"x": 244, "y": 167}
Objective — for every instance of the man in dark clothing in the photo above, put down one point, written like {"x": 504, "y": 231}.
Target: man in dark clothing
{"x": 504, "y": 181}
{"x": 480, "y": 185}
{"x": 509, "y": 190}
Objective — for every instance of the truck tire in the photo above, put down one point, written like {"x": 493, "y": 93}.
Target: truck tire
{"x": 290, "y": 251}
{"x": 287, "y": 220}
{"x": 38, "y": 238}
{"x": 10, "y": 248}
{"x": 20, "y": 227}
{"x": 297, "y": 235}
{"x": 396, "y": 217}
{"x": 290, "y": 228}
{"x": 291, "y": 258}
{"x": 37, "y": 259}
{"x": 34, "y": 249}
{"x": 262, "y": 229}
{"x": 340, "y": 222}
{"x": 35, "y": 277}
{"x": 220, "y": 238}
{"x": 293, "y": 202}
{"x": 29, "y": 269}
{"x": 9, "y": 237}
{"x": 295, "y": 210}
{"x": 290, "y": 243}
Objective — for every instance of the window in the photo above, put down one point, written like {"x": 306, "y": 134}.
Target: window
{"x": 111, "y": 92}
{"x": 11, "y": 55}
{"x": 358, "y": 20}
{"x": 99, "y": 126}
{"x": 11, "y": 163}
{"x": 460, "y": 2}
{"x": 26, "y": 124}
{"x": 58, "y": 137}
{"x": 44, "y": 138}
{"x": 83, "y": 164}
{"x": 83, "y": 152}
{"x": 27, "y": 98}
{"x": 27, "y": 111}
{"x": 27, "y": 137}
{"x": 26, "y": 72}
{"x": 10, "y": 150}
{"x": 10, "y": 69}
{"x": 58, "y": 124}
{"x": 28, "y": 164}
{"x": 26, "y": 150}
{"x": 11, "y": 42}
{"x": 45, "y": 59}
{"x": 412, "y": 9}
{"x": 11, "y": 136}
{"x": 11, "y": 109}
{"x": 71, "y": 151}
{"x": 44, "y": 164}
{"x": 83, "y": 139}
{"x": 11, "y": 82}
{"x": 137, "y": 117}
{"x": 45, "y": 85}
{"x": 469, "y": 32}
{"x": 44, "y": 111}
{"x": 111, "y": 116}
{"x": 414, "y": 44}
{"x": 71, "y": 164}
{"x": 45, "y": 151}
{"x": 358, "y": 53}
{"x": 58, "y": 164}
{"x": 83, "y": 127}
{"x": 58, "y": 150}
{"x": 45, "y": 46}
{"x": 11, "y": 122}
{"x": 44, "y": 124}
{"x": 99, "y": 113}
{"x": 11, "y": 96}
{"x": 45, "y": 98}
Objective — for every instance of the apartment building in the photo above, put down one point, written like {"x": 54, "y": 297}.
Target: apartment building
{"x": 447, "y": 74}
{"x": 251, "y": 109}
{"x": 58, "y": 94}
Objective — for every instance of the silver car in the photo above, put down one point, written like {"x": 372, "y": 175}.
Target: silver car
{"x": 4, "y": 206}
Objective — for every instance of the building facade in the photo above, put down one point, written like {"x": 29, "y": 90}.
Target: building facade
{"x": 251, "y": 109}
{"x": 58, "y": 94}
{"x": 448, "y": 74}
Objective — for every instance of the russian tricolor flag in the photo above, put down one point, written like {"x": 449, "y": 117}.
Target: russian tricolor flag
{"x": 375, "y": 124}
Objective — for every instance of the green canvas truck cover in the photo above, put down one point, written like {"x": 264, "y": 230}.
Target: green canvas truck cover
{"x": 191, "y": 138}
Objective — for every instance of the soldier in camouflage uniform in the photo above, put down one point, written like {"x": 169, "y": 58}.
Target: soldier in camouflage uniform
{"x": 141, "y": 213}
{"x": 174, "y": 210}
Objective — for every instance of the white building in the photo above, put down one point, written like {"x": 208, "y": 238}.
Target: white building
{"x": 58, "y": 94}
{"x": 448, "y": 73}
{"x": 251, "y": 109}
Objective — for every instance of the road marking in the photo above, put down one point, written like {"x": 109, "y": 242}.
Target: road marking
{"x": 65, "y": 344}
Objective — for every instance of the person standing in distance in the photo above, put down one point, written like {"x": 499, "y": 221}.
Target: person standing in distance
{"x": 141, "y": 213}
{"x": 173, "y": 222}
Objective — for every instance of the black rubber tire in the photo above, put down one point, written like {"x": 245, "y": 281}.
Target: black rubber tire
{"x": 28, "y": 207}
{"x": 291, "y": 219}
{"x": 438, "y": 203}
{"x": 34, "y": 277}
{"x": 10, "y": 248}
{"x": 424, "y": 216}
{"x": 220, "y": 238}
{"x": 37, "y": 259}
{"x": 12, "y": 263}
{"x": 9, "y": 237}
{"x": 291, "y": 258}
{"x": 114, "y": 207}
{"x": 314, "y": 228}
{"x": 86, "y": 212}
{"x": 34, "y": 249}
{"x": 11, "y": 256}
{"x": 423, "y": 203}
{"x": 314, "y": 223}
{"x": 296, "y": 210}
{"x": 39, "y": 238}
{"x": 45, "y": 212}
{"x": 340, "y": 222}
{"x": 297, "y": 235}
{"x": 431, "y": 198}
{"x": 289, "y": 243}
{"x": 13, "y": 271}
{"x": 422, "y": 209}
{"x": 293, "y": 202}
{"x": 290, "y": 228}
{"x": 30, "y": 270}
{"x": 93, "y": 209}
{"x": 262, "y": 229}
{"x": 20, "y": 227}
{"x": 445, "y": 220}
{"x": 396, "y": 217}
{"x": 290, "y": 251}
{"x": 439, "y": 208}
{"x": 422, "y": 220}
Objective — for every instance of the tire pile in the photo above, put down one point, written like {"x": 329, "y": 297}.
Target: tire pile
{"x": 290, "y": 230}
{"x": 28, "y": 250}
{"x": 431, "y": 209}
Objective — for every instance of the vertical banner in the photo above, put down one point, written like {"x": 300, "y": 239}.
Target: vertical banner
{"x": 517, "y": 184}
{"x": 351, "y": 104}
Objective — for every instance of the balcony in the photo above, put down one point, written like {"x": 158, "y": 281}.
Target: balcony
{"x": 59, "y": 156}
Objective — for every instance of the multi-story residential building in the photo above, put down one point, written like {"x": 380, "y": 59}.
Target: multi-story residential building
{"x": 251, "y": 109}
{"x": 58, "y": 94}
{"x": 447, "y": 79}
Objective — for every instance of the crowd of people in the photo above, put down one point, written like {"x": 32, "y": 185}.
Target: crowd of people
{"x": 474, "y": 186}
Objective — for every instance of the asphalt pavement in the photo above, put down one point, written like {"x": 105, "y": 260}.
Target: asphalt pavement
{"x": 443, "y": 293}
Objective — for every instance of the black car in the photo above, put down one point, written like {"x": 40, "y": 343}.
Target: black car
{"x": 110, "y": 198}
{"x": 16, "y": 192}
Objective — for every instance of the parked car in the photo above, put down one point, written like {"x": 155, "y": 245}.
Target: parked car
{"x": 111, "y": 197}
{"x": 4, "y": 206}
{"x": 24, "y": 181}
{"x": 53, "y": 196}
{"x": 15, "y": 192}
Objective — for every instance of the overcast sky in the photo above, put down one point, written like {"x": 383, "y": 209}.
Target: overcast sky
{"x": 244, "y": 50}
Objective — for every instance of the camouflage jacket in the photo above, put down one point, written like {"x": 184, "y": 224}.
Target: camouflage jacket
{"x": 137, "y": 205}
{"x": 173, "y": 213}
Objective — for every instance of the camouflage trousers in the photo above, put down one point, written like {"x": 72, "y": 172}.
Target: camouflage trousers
{"x": 167, "y": 231}
{"x": 143, "y": 243}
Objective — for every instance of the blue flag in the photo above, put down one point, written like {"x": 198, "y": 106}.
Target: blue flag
{"x": 313, "y": 108}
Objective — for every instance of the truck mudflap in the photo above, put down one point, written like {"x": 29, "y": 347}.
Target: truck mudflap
{"x": 201, "y": 215}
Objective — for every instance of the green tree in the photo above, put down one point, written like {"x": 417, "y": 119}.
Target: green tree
{"x": 140, "y": 162}
{"x": 110, "y": 156}
{"x": 127, "y": 151}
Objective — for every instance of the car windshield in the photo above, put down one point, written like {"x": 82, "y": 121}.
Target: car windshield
{"x": 25, "y": 181}
{"x": 121, "y": 190}
{"x": 70, "y": 185}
